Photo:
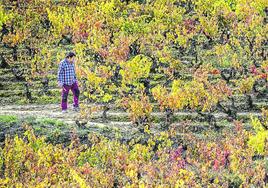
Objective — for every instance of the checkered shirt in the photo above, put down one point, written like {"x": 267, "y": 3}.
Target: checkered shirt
{"x": 66, "y": 73}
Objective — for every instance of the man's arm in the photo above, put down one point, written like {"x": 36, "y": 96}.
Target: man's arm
{"x": 60, "y": 74}
{"x": 75, "y": 72}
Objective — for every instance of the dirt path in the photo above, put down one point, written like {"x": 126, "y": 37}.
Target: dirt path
{"x": 49, "y": 111}
{"x": 54, "y": 111}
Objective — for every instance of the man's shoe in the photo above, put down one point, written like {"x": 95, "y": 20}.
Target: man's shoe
{"x": 64, "y": 111}
{"x": 77, "y": 109}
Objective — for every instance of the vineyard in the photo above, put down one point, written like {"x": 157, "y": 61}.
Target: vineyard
{"x": 173, "y": 93}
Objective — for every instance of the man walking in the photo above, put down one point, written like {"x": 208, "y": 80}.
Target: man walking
{"x": 67, "y": 80}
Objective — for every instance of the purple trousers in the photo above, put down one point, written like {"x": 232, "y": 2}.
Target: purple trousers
{"x": 64, "y": 95}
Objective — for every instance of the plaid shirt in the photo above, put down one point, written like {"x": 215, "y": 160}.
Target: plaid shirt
{"x": 66, "y": 73}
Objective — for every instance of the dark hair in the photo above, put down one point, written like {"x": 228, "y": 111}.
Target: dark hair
{"x": 70, "y": 54}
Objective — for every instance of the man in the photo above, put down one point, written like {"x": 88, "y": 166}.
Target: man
{"x": 67, "y": 80}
